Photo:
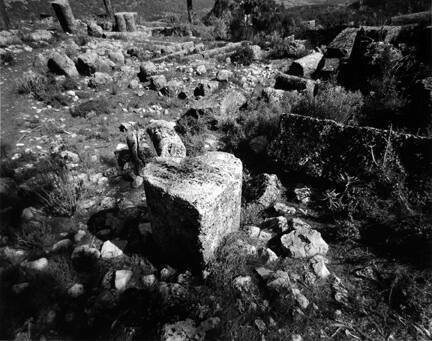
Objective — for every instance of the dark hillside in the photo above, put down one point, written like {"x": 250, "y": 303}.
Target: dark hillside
{"x": 147, "y": 9}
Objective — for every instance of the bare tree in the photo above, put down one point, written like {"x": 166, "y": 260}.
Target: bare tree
{"x": 189, "y": 10}
{"x": 4, "y": 18}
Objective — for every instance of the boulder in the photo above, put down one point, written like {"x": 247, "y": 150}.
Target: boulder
{"x": 181, "y": 331}
{"x": 290, "y": 82}
{"x": 201, "y": 69}
{"x": 38, "y": 36}
{"x": 206, "y": 88}
{"x": 342, "y": 46}
{"x": 194, "y": 204}
{"x": 110, "y": 250}
{"x": 117, "y": 57}
{"x": 147, "y": 69}
{"x": 122, "y": 278}
{"x": 94, "y": 30}
{"x": 158, "y": 82}
{"x": 306, "y": 66}
{"x": 303, "y": 242}
{"x": 257, "y": 52}
{"x": 62, "y": 65}
{"x": 264, "y": 189}
{"x": 99, "y": 78}
{"x": 173, "y": 88}
{"x": 165, "y": 140}
{"x": 9, "y": 38}
{"x": 87, "y": 63}
{"x": 224, "y": 75}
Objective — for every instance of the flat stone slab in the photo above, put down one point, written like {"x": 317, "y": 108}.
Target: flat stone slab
{"x": 194, "y": 203}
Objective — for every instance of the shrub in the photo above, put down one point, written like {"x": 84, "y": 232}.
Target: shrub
{"x": 55, "y": 189}
{"x": 332, "y": 102}
{"x": 7, "y": 58}
{"x": 243, "y": 55}
{"x": 99, "y": 106}
{"x": 45, "y": 89}
{"x": 32, "y": 82}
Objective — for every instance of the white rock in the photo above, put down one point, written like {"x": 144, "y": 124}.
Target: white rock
{"x": 39, "y": 264}
{"x": 110, "y": 250}
{"x": 76, "y": 290}
{"x": 122, "y": 278}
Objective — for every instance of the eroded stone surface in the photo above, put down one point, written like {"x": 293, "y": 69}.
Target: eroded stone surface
{"x": 194, "y": 204}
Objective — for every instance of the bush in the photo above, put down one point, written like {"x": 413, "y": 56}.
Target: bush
{"x": 243, "y": 55}
{"x": 7, "y": 58}
{"x": 45, "y": 89}
{"x": 332, "y": 102}
{"x": 99, "y": 106}
{"x": 55, "y": 188}
{"x": 32, "y": 82}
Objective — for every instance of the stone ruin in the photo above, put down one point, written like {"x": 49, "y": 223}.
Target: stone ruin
{"x": 194, "y": 201}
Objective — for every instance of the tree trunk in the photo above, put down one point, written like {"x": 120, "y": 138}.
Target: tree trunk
{"x": 109, "y": 9}
{"x": 189, "y": 10}
{"x": 4, "y": 19}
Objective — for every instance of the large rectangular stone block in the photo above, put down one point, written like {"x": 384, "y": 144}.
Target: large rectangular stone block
{"x": 194, "y": 203}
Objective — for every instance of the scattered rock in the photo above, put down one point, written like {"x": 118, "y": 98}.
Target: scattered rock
{"x": 20, "y": 287}
{"x": 110, "y": 250}
{"x": 173, "y": 88}
{"x": 282, "y": 209}
{"x": 94, "y": 30}
{"x": 99, "y": 78}
{"x": 76, "y": 290}
{"x": 167, "y": 273}
{"x": 257, "y": 52}
{"x": 301, "y": 299}
{"x": 303, "y": 242}
{"x": 62, "y": 65}
{"x": 38, "y": 36}
{"x": 39, "y": 264}
{"x": 319, "y": 266}
{"x": 147, "y": 69}
{"x": 303, "y": 194}
{"x": 166, "y": 141}
{"x": 61, "y": 245}
{"x": 193, "y": 202}
{"x": 158, "y": 82}
{"x": 264, "y": 273}
{"x": 87, "y": 63}
{"x": 149, "y": 281}
{"x": 201, "y": 69}
{"x": 206, "y": 88}
{"x": 243, "y": 283}
{"x": 224, "y": 75}
{"x": 85, "y": 251}
{"x": 264, "y": 189}
{"x": 277, "y": 224}
{"x": 69, "y": 156}
{"x": 122, "y": 278}
{"x": 117, "y": 57}
{"x": 15, "y": 256}
{"x": 181, "y": 331}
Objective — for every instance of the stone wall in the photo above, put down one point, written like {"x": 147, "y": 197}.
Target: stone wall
{"x": 324, "y": 149}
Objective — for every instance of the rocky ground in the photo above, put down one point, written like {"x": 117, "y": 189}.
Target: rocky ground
{"x": 82, "y": 252}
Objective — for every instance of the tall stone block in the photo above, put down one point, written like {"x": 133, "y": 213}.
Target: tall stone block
{"x": 194, "y": 203}
{"x": 125, "y": 21}
{"x": 64, "y": 14}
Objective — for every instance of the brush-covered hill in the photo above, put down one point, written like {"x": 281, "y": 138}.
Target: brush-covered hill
{"x": 147, "y": 9}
